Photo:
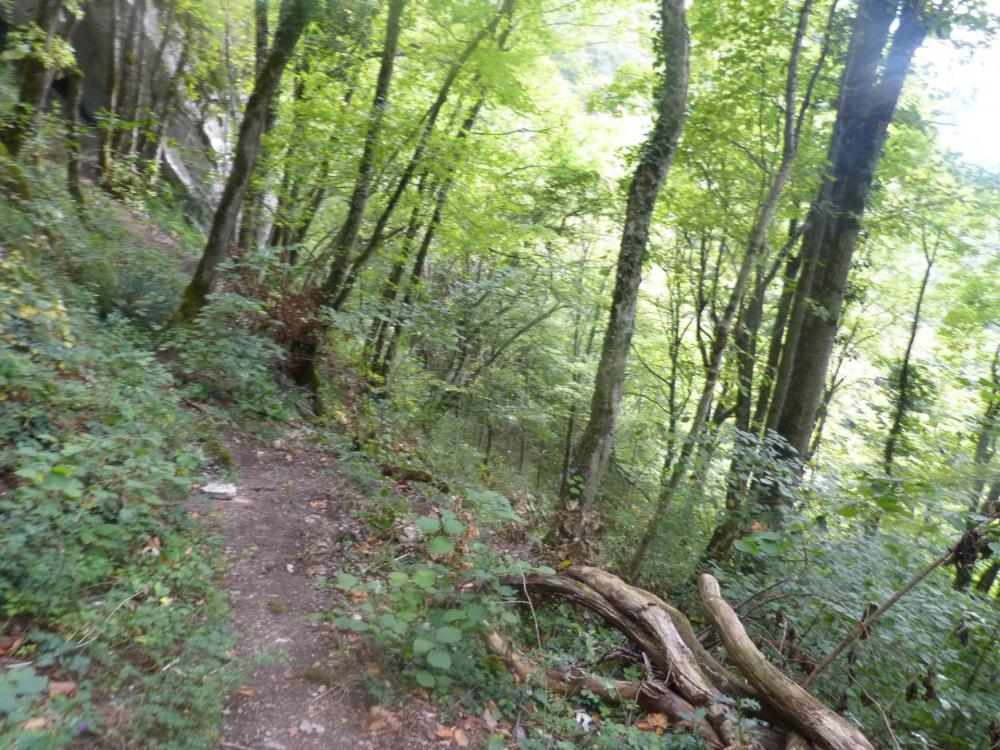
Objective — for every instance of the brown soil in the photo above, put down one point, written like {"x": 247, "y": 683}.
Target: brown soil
{"x": 300, "y": 689}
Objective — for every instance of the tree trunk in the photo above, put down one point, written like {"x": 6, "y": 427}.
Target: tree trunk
{"x": 35, "y": 80}
{"x": 903, "y": 394}
{"x": 71, "y": 108}
{"x": 870, "y": 89}
{"x": 347, "y": 237}
{"x": 294, "y": 16}
{"x": 590, "y": 461}
{"x": 253, "y": 204}
{"x": 684, "y": 681}
{"x": 385, "y": 350}
{"x": 111, "y": 91}
{"x": 779, "y": 327}
{"x": 344, "y": 271}
{"x": 986, "y": 440}
{"x": 724, "y": 324}
{"x": 127, "y": 74}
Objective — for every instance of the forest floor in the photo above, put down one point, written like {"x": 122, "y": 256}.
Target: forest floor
{"x": 300, "y": 687}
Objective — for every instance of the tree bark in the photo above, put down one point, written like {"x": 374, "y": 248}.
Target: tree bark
{"x": 590, "y": 461}
{"x": 344, "y": 271}
{"x": 294, "y": 17}
{"x": 253, "y": 204}
{"x": 903, "y": 393}
{"x": 812, "y": 719}
{"x": 679, "y": 667}
{"x": 724, "y": 324}
{"x": 347, "y": 237}
{"x": 71, "y": 108}
{"x": 36, "y": 76}
{"x": 870, "y": 89}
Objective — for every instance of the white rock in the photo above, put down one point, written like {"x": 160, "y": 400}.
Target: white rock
{"x": 222, "y": 490}
{"x": 307, "y": 727}
{"x": 584, "y": 720}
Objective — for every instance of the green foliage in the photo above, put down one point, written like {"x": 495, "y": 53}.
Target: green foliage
{"x": 221, "y": 357}
{"x": 99, "y": 553}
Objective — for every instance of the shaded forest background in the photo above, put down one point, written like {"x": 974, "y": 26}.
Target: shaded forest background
{"x": 670, "y": 290}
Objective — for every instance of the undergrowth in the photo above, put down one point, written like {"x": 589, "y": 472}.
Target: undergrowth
{"x": 112, "y": 618}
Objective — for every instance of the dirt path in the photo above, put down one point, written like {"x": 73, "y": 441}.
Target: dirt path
{"x": 280, "y": 530}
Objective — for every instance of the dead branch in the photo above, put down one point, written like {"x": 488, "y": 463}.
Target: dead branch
{"x": 406, "y": 474}
{"x": 808, "y": 715}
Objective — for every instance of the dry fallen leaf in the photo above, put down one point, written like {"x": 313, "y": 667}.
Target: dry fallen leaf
{"x": 246, "y": 690}
{"x": 9, "y": 644}
{"x": 445, "y": 734}
{"x": 452, "y": 734}
{"x": 318, "y": 504}
{"x": 37, "y": 723}
{"x": 380, "y": 719}
{"x": 653, "y": 723}
{"x": 490, "y": 722}
{"x": 152, "y": 546}
{"x": 757, "y": 526}
{"x": 61, "y": 688}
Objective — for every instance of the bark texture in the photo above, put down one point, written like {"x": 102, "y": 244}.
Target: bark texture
{"x": 870, "y": 88}
{"x": 683, "y": 677}
{"x": 294, "y": 17}
{"x": 593, "y": 452}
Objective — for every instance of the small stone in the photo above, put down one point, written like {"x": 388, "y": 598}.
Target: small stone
{"x": 307, "y": 727}
{"x": 220, "y": 490}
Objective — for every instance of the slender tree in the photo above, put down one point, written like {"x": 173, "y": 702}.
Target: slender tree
{"x": 294, "y": 17}
{"x": 903, "y": 396}
{"x": 723, "y": 326}
{"x": 593, "y": 452}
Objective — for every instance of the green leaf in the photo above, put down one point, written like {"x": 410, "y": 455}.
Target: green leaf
{"x": 397, "y": 578}
{"x": 440, "y": 545}
{"x": 427, "y": 525}
{"x": 422, "y": 646}
{"x": 425, "y": 678}
{"x": 743, "y": 545}
{"x": 425, "y": 578}
{"x": 26, "y": 682}
{"x": 449, "y": 634}
{"x": 346, "y": 581}
{"x": 439, "y": 658}
{"x": 453, "y": 527}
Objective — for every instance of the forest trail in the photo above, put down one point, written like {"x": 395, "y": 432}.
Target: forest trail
{"x": 281, "y": 528}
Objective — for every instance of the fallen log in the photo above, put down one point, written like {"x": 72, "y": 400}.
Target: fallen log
{"x": 673, "y": 656}
{"x": 685, "y": 676}
{"x": 406, "y": 474}
{"x": 799, "y": 708}
{"x": 653, "y": 697}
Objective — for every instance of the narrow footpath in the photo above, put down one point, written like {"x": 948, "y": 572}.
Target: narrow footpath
{"x": 281, "y": 523}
